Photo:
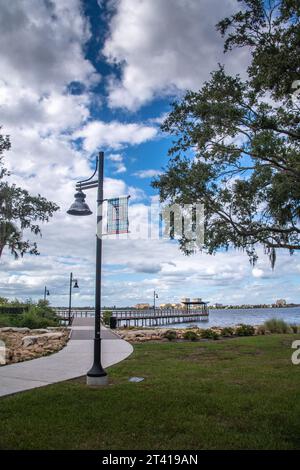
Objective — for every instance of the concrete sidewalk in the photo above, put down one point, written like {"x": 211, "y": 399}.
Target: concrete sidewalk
{"x": 72, "y": 361}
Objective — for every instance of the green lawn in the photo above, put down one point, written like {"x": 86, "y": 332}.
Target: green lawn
{"x": 240, "y": 393}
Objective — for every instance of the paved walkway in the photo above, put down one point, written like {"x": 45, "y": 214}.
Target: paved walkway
{"x": 72, "y": 361}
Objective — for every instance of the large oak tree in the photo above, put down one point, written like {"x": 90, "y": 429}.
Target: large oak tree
{"x": 237, "y": 142}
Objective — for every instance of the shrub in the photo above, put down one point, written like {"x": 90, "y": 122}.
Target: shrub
{"x": 6, "y": 320}
{"x": 38, "y": 316}
{"x": 245, "y": 330}
{"x": 107, "y": 316}
{"x": 294, "y": 328}
{"x": 227, "y": 331}
{"x": 275, "y": 325}
{"x": 171, "y": 335}
{"x": 261, "y": 330}
{"x": 209, "y": 334}
{"x": 190, "y": 336}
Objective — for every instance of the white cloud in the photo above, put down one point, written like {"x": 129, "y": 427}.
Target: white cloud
{"x": 113, "y": 134}
{"x": 164, "y": 47}
{"x": 42, "y": 45}
{"x": 147, "y": 173}
{"x": 118, "y": 162}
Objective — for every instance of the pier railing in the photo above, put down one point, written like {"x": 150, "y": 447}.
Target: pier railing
{"x": 147, "y": 317}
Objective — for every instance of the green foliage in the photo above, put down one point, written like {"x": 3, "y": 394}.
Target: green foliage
{"x": 6, "y": 320}
{"x": 12, "y": 309}
{"x": 245, "y": 330}
{"x": 19, "y": 211}
{"x": 261, "y": 330}
{"x": 277, "y": 326}
{"x": 107, "y": 314}
{"x": 209, "y": 334}
{"x": 190, "y": 336}
{"x": 236, "y": 151}
{"x": 233, "y": 395}
{"x": 227, "y": 331}
{"x": 171, "y": 335}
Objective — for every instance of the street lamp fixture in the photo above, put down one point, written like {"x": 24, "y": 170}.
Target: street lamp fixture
{"x": 96, "y": 375}
{"x": 46, "y": 293}
{"x": 155, "y": 296}
{"x": 74, "y": 285}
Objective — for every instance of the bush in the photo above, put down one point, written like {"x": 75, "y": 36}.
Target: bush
{"x": 209, "y": 334}
{"x": 261, "y": 330}
{"x": 171, "y": 335}
{"x": 190, "y": 336}
{"x": 107, "y": 316}
{"x": 227, "y": 331}
{"x": 245, "y": 330}
{"x": 277, "y": 326}
{"x": 6, "y": 320}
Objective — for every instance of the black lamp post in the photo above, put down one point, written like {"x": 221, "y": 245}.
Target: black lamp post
{"x": 96, "y": 375}
{"x": 46, "y": 292}
{"x": 74, "y": 285}
{"x": 155, "y": 296}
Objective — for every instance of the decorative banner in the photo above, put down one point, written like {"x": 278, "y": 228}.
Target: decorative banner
{"x": 117, "y": 215}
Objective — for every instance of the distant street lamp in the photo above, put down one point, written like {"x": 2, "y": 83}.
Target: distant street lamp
{"x": 155, "y": 296}
{"x": 74, "y": 285}
{"x": 46, "y": 292}
{"x": 96, "y": 375}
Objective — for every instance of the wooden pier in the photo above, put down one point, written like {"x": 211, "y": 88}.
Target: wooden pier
{"x": 161, "y": 317}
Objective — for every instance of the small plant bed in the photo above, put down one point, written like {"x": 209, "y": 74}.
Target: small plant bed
{"x": 23, "y": 344}
{"x": 141, "y": 335}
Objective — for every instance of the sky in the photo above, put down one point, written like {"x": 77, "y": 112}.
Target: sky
{"x": 77, "y": 77}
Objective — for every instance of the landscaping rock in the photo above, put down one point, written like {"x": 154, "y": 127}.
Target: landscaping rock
{"x": 21, "y": 346}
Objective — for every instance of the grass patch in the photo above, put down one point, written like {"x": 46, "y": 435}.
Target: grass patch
{"x": 237, "y": 394}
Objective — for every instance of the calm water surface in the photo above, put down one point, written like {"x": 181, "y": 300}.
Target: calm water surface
{"x": 250, "y": 316}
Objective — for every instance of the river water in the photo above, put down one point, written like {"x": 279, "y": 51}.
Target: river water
{"x": 250, "y": 316}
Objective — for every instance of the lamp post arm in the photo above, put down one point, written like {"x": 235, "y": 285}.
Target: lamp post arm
{"x": 70, "y": 297}
{"x": 97, "y": 168}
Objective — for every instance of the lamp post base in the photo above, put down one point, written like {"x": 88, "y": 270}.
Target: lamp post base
{"x": 97, "y": 381}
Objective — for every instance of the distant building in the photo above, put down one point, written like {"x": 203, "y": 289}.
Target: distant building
{"x": 142, "y": 306}
{"x": 280, "y": 303}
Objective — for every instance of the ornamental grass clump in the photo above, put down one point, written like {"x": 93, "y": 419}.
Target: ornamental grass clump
{"x": 209, "y": 334}
{"x": 190, "y": 336}
{"x": 275, "y": 325}
{"x": 245, "y": 330}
